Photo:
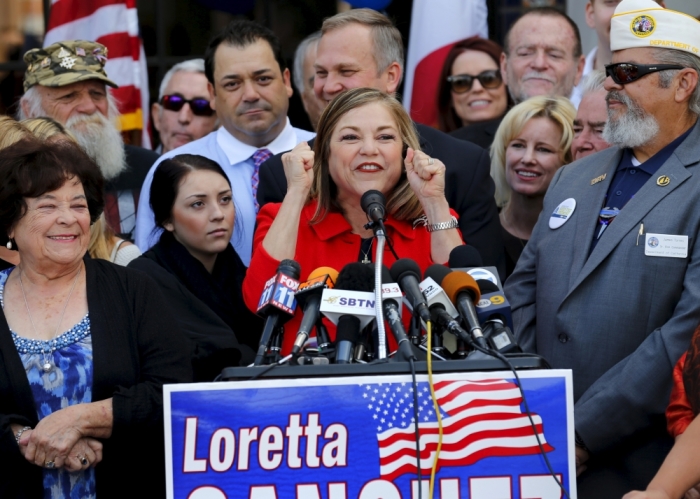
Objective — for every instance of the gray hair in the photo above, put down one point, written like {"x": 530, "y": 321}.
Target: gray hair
{"x": 299, "y": 57}
{"x": 191, "y": 66}
{"x": 681, "y": 58}
{"x": 388, "y": 45}
{"x": 593, "y": 82}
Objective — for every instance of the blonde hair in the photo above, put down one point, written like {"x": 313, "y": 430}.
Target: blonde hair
{"x": 558, "y": 109}
{"x": 402, "y": 202}
{"x": 101, "y": 239}
{"x": 101, "y": 235}
{"x": 11, "y": 131}
{"x": 45, "y": 128}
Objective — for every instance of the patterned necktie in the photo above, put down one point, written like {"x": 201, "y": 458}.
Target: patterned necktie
{"x": 258, "y": 159}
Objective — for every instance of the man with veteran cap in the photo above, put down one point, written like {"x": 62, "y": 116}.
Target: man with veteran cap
{"x": 609, "y": 283}
{"x": 66, "y": 81}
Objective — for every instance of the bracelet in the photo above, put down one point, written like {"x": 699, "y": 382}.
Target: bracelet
{"x": 18, "y": 435}
{"x": 452, "y": 224}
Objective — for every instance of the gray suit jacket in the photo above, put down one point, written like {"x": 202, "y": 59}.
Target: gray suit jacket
{"x": 619, "y": 319}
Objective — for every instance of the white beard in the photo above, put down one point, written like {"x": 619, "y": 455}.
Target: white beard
{"x": 632, "y": 128}
{"x": 101, "y": 140}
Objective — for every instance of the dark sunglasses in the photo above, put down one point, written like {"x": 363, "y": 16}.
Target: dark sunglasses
{"x": 199, "y": 107}
{"x": 627, "y": 72}
{"x": 463, "y": 83}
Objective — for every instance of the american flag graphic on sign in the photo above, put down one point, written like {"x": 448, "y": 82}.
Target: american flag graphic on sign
{"x": 480, "y": 419}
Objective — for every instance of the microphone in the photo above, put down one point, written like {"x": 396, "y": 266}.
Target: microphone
{"x": 309, "y": 297}
{"x": 391, "y": 301}
{"x": 464, "y": 292}
{"x": 407, "y": 273}
{"x": 350, "y": 305}
{"x": 493, "y": 312}
{"x": 277, "y": 302}
{"x": 442, "y": 311}
{"x": 374, "y": 204}
{"x": 467, "y": 258}
{"x": 493, "y": 304}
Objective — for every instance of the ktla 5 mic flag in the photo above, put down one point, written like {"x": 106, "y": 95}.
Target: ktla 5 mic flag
{"x": 436, "y": 25}
{"x": 114, "y": 24}
{"x": 354, "y": 438}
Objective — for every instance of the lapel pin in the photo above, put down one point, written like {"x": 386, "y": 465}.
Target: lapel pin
{"x": 663, "y": 181}
{"x": 599, "y": 179}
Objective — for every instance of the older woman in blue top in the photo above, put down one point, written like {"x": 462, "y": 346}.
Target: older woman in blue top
{"x": 84, "y": 349}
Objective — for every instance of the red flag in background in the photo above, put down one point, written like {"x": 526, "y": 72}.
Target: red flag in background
{"x": 435, "y": 27}
{"x": 113, "y": 23}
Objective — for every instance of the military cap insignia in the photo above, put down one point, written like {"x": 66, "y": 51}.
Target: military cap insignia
{"x": 63, "y": 53}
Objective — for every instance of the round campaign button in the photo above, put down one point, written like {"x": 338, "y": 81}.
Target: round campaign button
{"x": 562, "y": 213}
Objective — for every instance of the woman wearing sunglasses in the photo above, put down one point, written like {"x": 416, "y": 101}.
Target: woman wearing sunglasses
{"x": 471, "y": 87}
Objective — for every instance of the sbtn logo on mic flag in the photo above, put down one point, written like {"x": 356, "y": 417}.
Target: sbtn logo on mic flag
{"x": 279, "y": 293}
{"x": 337, "y": 302}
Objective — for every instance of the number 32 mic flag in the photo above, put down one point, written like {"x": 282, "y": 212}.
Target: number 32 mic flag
{"x": 436, "y": 26}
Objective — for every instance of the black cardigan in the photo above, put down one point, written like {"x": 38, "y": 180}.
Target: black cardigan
{"x": 136, "y": 349}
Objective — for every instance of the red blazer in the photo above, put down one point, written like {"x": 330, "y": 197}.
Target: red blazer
{"x": 328, "y": 243}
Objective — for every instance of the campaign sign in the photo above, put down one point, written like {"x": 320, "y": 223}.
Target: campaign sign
{"x": 354, "y": 438}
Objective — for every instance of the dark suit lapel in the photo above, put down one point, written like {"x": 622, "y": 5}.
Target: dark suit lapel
{"x": 633, "y": 213}
{"x": 591, "y": 201}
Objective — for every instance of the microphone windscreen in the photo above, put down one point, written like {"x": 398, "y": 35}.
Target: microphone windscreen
{"x": 356, "y": 276}
{"x": 465, "y": 256}
{"x": 386, "y": 275}
{"x": 348, "y": 329}
{"x": 486, "y": 287}
{"x": 372, "y": 197}
{"x": 455, "y": 283}
{"x": 321, "y": 271}
{"x": 290, "y": 268}
{"x": 403, "y": 267}
{"x": 437, "y": 273}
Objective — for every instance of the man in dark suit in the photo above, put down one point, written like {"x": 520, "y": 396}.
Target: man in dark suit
{"x": 542, "y": 55}
{"x": 362, "y": 48}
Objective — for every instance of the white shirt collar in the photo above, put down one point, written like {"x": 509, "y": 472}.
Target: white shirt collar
{"x": 590, "y": 62}
{"x": 237, "y": 152}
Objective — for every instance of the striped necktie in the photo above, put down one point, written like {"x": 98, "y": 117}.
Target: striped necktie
{"x": 259, "y": 158}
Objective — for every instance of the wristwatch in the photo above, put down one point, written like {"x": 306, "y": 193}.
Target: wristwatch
{"x": 452, "y": 224}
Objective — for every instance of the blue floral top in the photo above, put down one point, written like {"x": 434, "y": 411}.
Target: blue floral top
{"x": 68, "y": 382}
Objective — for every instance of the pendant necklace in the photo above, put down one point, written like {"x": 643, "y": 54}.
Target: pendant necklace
{"x": 366, "y": 258}
{"x": 47, "y": 366}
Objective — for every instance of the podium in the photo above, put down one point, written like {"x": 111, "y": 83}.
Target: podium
{"x": 348, "y": 432}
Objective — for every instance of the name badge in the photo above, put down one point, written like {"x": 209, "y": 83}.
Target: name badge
{"x": 666, "y": 245}
{"x": 562, "y": 213}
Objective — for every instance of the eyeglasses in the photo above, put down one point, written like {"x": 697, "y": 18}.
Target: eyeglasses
{"x": 463, "y": 83}
{"x": 627, "y": 72}
{"x": 199, "y": 107}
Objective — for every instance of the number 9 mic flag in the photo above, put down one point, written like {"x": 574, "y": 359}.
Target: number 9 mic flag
{"x": 436, "y": 25}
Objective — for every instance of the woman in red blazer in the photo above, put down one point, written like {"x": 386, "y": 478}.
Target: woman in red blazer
{"x": 363, "y": 136}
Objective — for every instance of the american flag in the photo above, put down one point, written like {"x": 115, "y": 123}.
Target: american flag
{"x": 480, "y": 419}
{"x": 113, "y": 23}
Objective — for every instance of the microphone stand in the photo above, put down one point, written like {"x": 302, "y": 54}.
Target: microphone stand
{"x": 380, "y": 235}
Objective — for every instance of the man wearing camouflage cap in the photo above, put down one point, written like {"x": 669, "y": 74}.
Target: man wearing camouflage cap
{"x": 66, "y": 81}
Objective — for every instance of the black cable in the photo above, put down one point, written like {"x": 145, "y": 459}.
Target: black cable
{"x": 502, "y": 358}
{"x": 388, "y": 239}
{"x": 415, "y": 425}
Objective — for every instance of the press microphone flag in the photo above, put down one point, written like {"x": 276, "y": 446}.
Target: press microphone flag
{"x": 309, "y": 297}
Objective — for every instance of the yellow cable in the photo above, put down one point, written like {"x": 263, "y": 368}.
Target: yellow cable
{"x": 437, "y": 411}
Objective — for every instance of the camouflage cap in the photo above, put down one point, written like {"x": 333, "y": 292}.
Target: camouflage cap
{"x": 63, "y": 63}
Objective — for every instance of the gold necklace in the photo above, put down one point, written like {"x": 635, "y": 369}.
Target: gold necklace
{"x": 366, "y": 258}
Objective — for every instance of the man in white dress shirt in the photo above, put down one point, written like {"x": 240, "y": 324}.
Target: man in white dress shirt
{"x": 250, "y": 89}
